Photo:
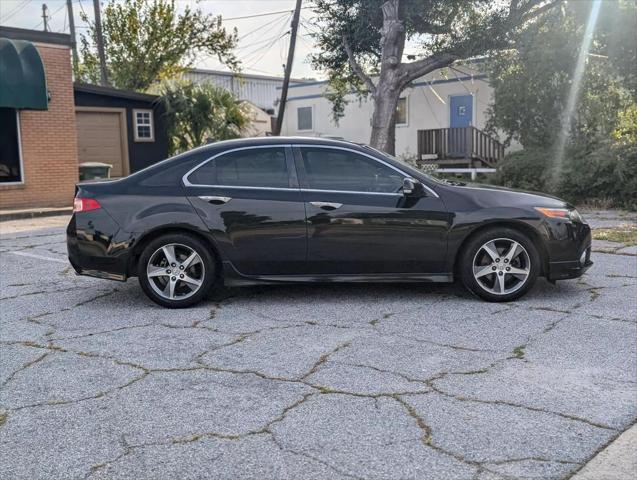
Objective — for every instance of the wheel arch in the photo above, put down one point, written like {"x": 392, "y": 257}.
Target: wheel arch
{"x": 521, "y": 227}
{"x": 149, "y": 236}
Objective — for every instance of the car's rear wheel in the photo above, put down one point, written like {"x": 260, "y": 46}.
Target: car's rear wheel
{"x": 499, "y": 264}
{"x": 176, "y": 270}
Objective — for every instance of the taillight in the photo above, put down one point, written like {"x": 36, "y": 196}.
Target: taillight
{"x": 85, "y": 204}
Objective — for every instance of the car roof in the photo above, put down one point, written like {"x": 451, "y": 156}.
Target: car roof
{"x": 254, "y": 141}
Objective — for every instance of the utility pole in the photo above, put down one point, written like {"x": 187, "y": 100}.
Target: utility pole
{"x": 45, "y": 17}
{"x": 69, "y": 7}
{"x": 288, "y": 69}
{"x": 100, "y": 43}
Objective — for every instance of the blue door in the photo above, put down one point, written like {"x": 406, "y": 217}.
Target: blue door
{"x": 461, "y": 116}
{"x": 461, "y": 110}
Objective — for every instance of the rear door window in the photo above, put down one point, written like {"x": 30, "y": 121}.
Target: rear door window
{"x": 257, "y": 167}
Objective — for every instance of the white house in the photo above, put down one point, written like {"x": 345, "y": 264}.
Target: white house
{"x": 454, "y": 99}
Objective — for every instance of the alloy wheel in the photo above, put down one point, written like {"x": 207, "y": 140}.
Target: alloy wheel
{"x": 175, "y": 271}
{"x": 501, "y": 266}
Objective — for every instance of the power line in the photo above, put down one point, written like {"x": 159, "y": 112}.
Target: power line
{"x": 66, "y": 14}
{"x": 256, "y": 15}
{"x": 261, "y": 27}
{"x": 276, "y": 37}
{"x": 16, "y": 10}
{"x": 268, "y": 49}
{"x": 82, "y": 8}
{"x": 258, "y": 42}
{"x": 281, "y": 33}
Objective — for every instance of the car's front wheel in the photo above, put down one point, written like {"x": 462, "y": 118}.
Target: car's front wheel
{"x": 499, "y": 264}
{"x": 176, "y": 270}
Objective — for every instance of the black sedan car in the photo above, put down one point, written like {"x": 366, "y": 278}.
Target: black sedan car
{"x": 272, "y": 210}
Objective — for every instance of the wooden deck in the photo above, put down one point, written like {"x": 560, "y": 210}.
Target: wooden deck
{"x": 459, "y": 147}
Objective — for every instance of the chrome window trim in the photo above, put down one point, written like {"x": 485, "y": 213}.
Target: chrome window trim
{"x": 396, "y": 194}
{"x": 241, "y": 187}
{"x": 334, "y": 147}
{"x": 187, "y": 183}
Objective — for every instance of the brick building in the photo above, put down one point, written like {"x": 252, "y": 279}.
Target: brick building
{"x": 38, "y": 144}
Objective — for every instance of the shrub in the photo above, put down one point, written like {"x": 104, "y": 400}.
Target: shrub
{"x": 607, "y": 174}
{"x": 525, "y": 169}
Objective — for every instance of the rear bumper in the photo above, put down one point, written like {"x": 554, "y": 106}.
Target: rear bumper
{"x": 97, "y": 247}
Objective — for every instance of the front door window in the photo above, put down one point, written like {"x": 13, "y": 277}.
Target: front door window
{"x": 342, "y": 170}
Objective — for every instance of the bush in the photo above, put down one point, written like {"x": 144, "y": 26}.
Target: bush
{"x": 525, "y": 169}
{"x": 607, "y": 174}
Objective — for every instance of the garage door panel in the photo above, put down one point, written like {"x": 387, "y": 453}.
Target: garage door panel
{"x": 99, "y": 139}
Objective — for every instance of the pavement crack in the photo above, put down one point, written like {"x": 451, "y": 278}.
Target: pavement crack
{"x": 39, "y": 292}
{"x": 324, "y": 358}
{"x": 566, "y": 416}
{"x": 103, "y": 332}
{"x": 96, "y": 297}
{"x": 24, "y": 367}
{"x": 315, "y": 459}
{"x": 420, "y": 422}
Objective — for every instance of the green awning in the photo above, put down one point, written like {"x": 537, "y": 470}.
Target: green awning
{"x": 22, "y": 78}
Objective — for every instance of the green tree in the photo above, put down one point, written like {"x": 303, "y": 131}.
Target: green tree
{"x": 362, "y": 39}
{"x": 147, "y": 41}
{"x": 532, "y": 81}
{"x": 200, "y": 113}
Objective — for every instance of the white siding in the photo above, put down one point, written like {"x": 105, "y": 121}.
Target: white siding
{"x": 260, "y": 90}
{"x": 426, "y": 108}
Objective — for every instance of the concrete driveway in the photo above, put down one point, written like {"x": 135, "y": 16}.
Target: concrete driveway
{"x": 309, "y": 382}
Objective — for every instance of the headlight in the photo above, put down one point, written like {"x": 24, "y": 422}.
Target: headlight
{"x": 565, "y": 213}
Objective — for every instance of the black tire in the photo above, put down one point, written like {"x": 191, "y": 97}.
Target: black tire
{"x": 206, "y": 273}
{"x": 500, "y": 235}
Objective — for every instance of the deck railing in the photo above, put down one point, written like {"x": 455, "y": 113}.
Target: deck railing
{"x": 464, "y": 145}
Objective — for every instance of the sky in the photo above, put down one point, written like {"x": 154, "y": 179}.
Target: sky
{"x": 263, "y": 41}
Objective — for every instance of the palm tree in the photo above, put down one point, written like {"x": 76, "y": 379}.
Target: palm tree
{"x": 200, "y": 113}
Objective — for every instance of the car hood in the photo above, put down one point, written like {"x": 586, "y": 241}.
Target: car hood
{"x": 509, "y": 196}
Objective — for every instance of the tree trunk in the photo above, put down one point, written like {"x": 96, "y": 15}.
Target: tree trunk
{"x": 384, "y": 119}
{"x": 390, "y": 80}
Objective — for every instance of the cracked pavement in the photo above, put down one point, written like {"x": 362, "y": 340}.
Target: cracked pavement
{"x": 408, "y": 381}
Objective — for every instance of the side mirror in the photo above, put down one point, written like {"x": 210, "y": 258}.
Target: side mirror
{"x": 412, "y": 187}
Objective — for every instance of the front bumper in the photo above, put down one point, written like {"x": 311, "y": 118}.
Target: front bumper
{"x": 570, "y": 252}
{"x": 571, "y": 269}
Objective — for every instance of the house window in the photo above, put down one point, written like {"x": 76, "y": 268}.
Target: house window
{"x": 144, "y": 125}
{"x": 401, "y": 111}
{"x": 304, "y": 118}
{"x": 10, "y": 148}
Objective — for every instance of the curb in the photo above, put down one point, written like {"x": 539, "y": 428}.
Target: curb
{"x": 617, "y": 461}
{"x": 34, "y": 213}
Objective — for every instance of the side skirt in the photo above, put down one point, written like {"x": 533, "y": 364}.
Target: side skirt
{"x": 232, "y": 278}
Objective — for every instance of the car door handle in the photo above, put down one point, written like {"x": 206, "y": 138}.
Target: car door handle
{"x": 327, "y": 205}
{"x": 215, "y": 200}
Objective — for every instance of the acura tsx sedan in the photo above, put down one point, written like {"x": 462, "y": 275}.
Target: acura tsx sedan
{"x": 275, "y": 210}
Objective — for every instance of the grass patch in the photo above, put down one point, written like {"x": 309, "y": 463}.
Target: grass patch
{"x": 518, "y": 352}
{"x": 626, "y": 234}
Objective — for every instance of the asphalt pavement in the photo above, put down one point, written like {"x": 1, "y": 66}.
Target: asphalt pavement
{"x": 409, "y": 381}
